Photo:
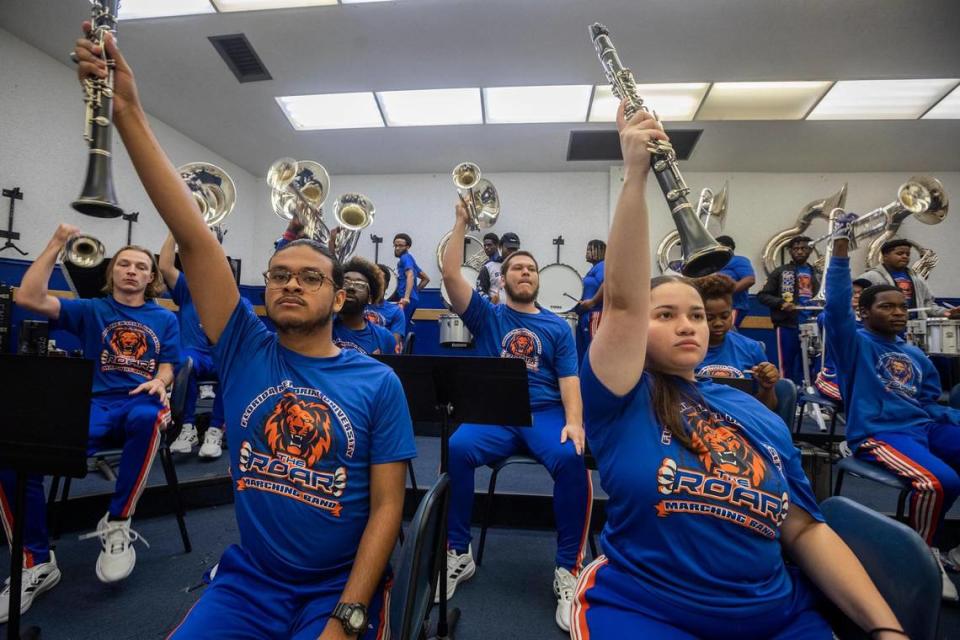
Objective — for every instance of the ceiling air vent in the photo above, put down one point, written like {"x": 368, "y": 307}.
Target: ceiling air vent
{"x": 605, "y": 145}
{"x": 236, "y": 51}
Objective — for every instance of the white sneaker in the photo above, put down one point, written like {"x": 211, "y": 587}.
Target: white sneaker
{"x": 460, "y": 567}
{"x": 564, "y": 586}
{"x": 949, "y": 589}
{"x": 36, "y": 580}
{"x": 212, "y": 443}
{"x": 185, "y": 441}
{"x": 117, "y": 557}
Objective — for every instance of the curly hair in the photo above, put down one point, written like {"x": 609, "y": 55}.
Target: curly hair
{"x": 154, "y": 288}
{"x": 370, "y": 272}
{"x": 714, "y": 286}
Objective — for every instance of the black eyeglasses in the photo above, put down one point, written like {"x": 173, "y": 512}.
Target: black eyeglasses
{"x": 309, "y": 279}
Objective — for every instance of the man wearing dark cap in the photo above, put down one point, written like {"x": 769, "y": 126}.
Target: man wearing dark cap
{"x": 741, "y": 272}
{"x": 894, "y": 270}
{"x": 489, "y": 279}
{"x": 509, "y": 242}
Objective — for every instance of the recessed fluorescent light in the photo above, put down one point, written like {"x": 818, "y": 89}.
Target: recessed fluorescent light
{"x": 558, "y": 103}
{"x": 761, "y": 100}
{"x": 880, "y": 99}
{"x": 136, "y": 9}
{"x": 431, "y": 107}
{"x": 227, "y": 6}
{"x": 674, "y": 102}
{"x": 331, "y": 111}
{"x": 361, "y": 1}
{"x": 948, "y": 108}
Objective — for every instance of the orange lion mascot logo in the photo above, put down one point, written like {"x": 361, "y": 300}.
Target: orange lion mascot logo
{"x": 721, "y": 448}
{"x": 128, "y": 342}
{"x": 299, "y": 428}
{"x": 521, "y": 346}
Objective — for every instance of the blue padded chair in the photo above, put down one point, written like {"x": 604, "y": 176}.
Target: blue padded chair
{"x": 898, "y": 561}
{"x": 421, "y": 560}
{"x": 869, "y": 471}
{"x": 786, "y": 400}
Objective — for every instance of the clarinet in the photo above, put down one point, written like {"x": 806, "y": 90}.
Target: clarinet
{"x": 98, "y": 198}
{"x": 702, "y": 255}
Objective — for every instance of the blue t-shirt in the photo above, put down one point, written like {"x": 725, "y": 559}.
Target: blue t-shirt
{"x": 543, "y": 340}
{"x": 732, "y": 358}
{"x": 191, "y": 331}
{"x": 903, "y": 282}
{"x": 699, "y": 530}
{"x": 739, "y": 268}
{"x": 371, "y": 339}
{"x": 303, "y": 434}
{"x": 887, "y": 385}
{"x": 592, "y": 282}
{"x": 389, "y": 315}
{"x": 404, "y": 264}
{"x": 128, "y": 343}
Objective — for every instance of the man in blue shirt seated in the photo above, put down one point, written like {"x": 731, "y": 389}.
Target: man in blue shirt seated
{"x": 362, "y": 282}
{"x": 741, "y": 272}
{"x": 519, "y": 328}
{"x": 134, "y": 343}
{"x": 385, "y": 313}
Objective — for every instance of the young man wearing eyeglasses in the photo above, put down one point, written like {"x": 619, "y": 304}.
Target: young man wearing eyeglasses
{"x": 362, "y": 282}
{"x": 407, "y": 295}
{"x": 320, "y": 435}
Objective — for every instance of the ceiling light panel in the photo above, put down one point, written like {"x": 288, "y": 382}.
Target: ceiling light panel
{"x": 361, "y": 1}
{"x": 557, "y": 103}
{"x": 672, "y": 102}
{"x": 946, "y": 109}
{"x": 137, "y": 9}
{"x": 431, "y": 107}
{"x": 761, "y": 100}
{"x": 227, "y": 6}
{"x": 880, "y": 99}
{"x": 331, "y": 111}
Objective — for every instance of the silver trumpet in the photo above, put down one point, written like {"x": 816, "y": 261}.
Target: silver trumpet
{"x": 84, "y": 251}
{"x": 212, "y": 189}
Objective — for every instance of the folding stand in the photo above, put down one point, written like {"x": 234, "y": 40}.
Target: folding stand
{"x": 58, "y": 416}
{"x": 131, "y": 217}
{"x": 445, "y": 389}
{"x": 11, "y": 235}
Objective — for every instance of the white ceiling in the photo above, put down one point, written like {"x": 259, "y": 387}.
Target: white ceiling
{"x": 422, "y": 44}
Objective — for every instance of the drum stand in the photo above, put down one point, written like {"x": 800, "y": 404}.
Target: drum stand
{"x": 812, "y": 407}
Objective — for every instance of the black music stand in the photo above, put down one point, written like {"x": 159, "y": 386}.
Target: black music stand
{"x": 44, "y": 430}
{"x": 445, "y": 389}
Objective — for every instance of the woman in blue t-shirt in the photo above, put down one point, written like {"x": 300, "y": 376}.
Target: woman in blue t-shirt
{"x": 590, "y": 306}
{"x": 705, "y": 487}
{"x": 732, "y": 354}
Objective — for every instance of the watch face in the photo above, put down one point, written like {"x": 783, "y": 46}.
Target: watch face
{"x": 357, "y": 618}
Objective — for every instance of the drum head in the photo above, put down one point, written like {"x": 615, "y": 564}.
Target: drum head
{"x": 560, "y": 288}
{"x": 469, "y": 274}
{"x": 392, "y": 287}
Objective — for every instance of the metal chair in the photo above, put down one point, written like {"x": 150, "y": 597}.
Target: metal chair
{"x": 408, "y": 343}
{"x": 869, "y": 471}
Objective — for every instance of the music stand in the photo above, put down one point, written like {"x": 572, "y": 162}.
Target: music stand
{"x": 445, "y": 388}
{"x": 58, "y": 417}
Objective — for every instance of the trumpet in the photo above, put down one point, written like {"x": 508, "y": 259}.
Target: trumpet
{"x": 483, "y": 206}
{"x": 98, "y": 198}
{"x": 84, "y": 251}
{"x": 212, "y": 189}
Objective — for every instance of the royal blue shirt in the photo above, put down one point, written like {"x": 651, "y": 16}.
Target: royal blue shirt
{"x": 404, "y": 264}
{"x": 371, "y": 339}
{"x": 886, "y": 384}
{"x": 739, "y": 268}
{"x": 700, "y": 530}
{"x": 592, "y": 282}
{"x": 543, "y": 340}
{"x": 732, "y": 358}
{"x": 389, "y": 315}
{"x": 192, "y": 335}
{"x": 128, "y": 343}
{"x": 303, "y": 434}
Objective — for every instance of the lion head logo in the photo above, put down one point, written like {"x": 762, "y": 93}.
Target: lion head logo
{"x": 301, "y": 429}
{"x": 897, "y": 372}
{"x": 128, "y": 342}
{"x": 521, "y": 346}
{"x": 720, "y": 447}
{"x": 720, "y": 371}
{"x": 373, "y": 317}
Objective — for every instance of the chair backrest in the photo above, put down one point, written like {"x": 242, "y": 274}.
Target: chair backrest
{"x": 955, "y": 397}
{"x": 408, "y": 342}
{"x": 421, "y": 560}
{"x": 786, "y": 400}
{"x": 179, "y": 396}
{"x": 898, "y": 561}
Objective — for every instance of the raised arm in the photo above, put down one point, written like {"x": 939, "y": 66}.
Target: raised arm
{"x": 167, "y": 261}
{"x": 211, "y": 282}
{"x": 33, "y": 294}
{"x": 458, "y": 289}
{"x": 618, "y": 350}
{"x": 838, "y": 314}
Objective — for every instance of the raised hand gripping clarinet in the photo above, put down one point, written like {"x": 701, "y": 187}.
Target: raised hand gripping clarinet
{"x": 98, "y": 198}
{"x": 702, "y": 255}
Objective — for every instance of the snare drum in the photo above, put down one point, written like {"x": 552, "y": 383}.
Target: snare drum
{"x": 571, "y": 319}
{"x": 560, "y": 288}
{"x": 917, "y": 333}
{"x": 453, "y": 333}
{"x": 392, "y": 286}
{"x": 942, "y": 337}
{"x": 811, "y": 331}
{"x": 469, "y": 274}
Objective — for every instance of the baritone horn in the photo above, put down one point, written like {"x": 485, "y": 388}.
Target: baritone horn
{"x": 298, "y": 190}
{"x": 84, "y": 251}
{"x": 483, "y": 206}
{"x": 212, "y": 189}
{"x": 353, "y": 212}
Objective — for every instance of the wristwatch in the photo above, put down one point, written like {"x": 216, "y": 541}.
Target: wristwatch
{"x": 353, "y": 617}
